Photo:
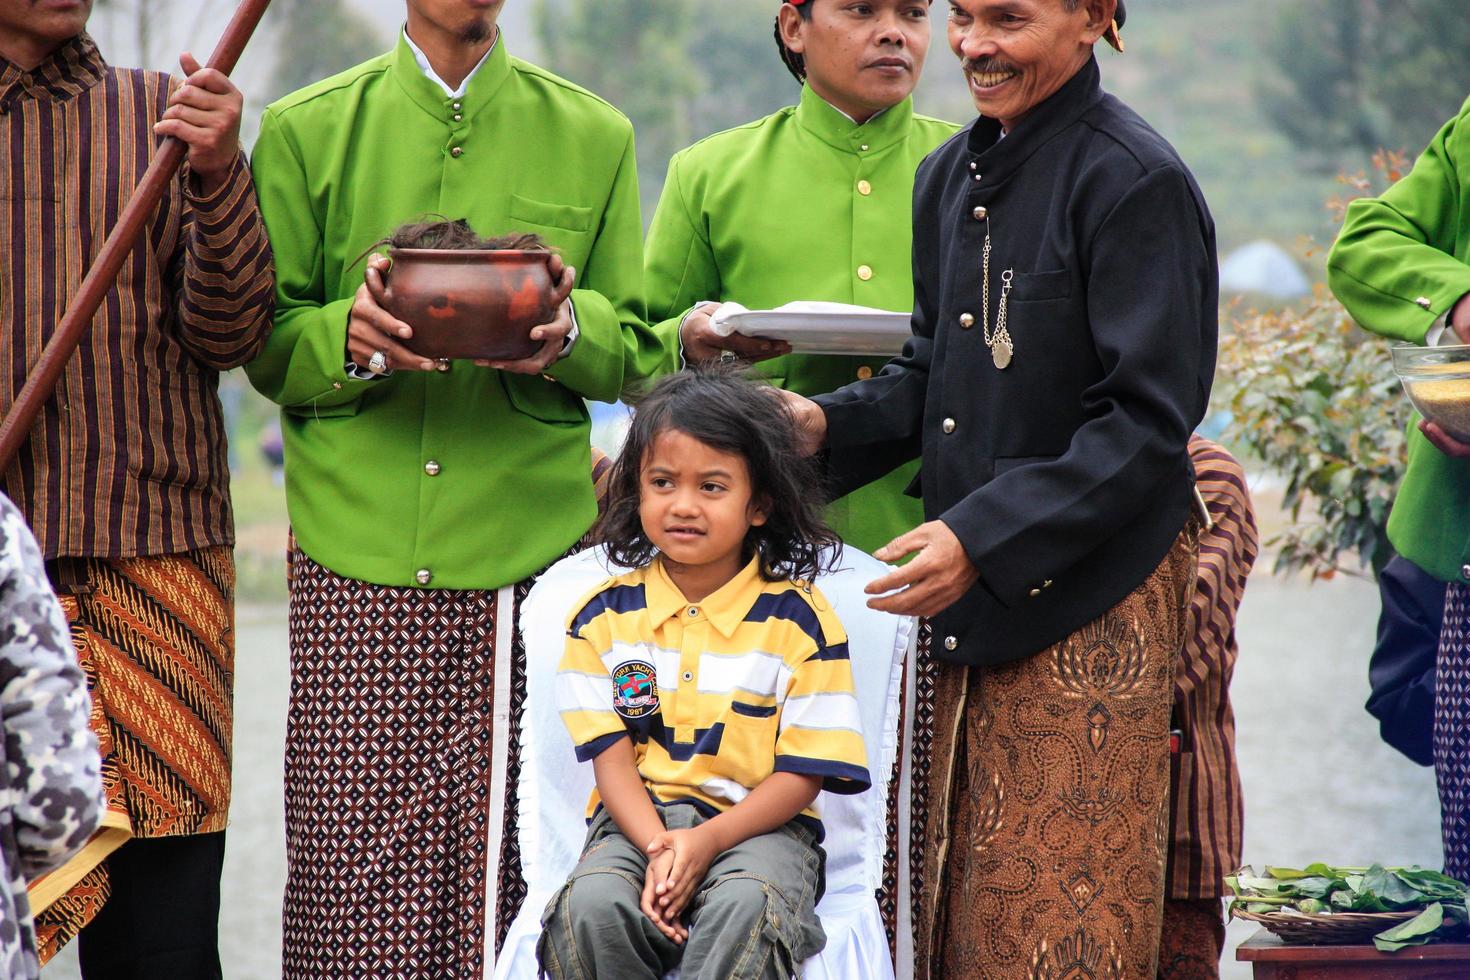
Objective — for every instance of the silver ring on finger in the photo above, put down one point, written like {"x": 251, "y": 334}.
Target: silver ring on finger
{"x": 728, "y": 357}
{"x": 378, "y": 363}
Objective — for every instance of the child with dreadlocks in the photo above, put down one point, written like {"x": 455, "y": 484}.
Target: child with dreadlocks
{"x": 710, "y": 688}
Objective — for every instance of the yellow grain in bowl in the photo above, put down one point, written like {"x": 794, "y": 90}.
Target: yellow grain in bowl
{"x": 1445, "y": 402}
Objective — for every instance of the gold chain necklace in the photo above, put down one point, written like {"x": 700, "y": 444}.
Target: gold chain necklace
{"x": 1000, "y": 344}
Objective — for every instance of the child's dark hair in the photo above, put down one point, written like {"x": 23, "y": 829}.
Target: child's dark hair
{"x": 723, "y": 409}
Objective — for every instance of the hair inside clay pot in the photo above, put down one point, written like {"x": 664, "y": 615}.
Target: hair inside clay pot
{"x": 467, "y": 295}
{"x": 458, "y": 234}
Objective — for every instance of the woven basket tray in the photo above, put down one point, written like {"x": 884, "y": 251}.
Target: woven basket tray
{"x": 1336, "y": 929}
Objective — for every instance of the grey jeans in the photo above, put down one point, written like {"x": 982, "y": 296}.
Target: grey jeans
{"x": 754, "y": 916}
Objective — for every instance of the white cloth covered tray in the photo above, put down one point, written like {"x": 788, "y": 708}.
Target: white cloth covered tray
{"x": 819, "y": 328}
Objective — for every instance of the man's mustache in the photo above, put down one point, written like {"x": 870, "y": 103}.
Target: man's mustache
{"x": 986, "y": 66}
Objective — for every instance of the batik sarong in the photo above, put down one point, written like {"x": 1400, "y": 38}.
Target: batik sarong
{"x": 1048, "y": 799}
{"x": 1452, "y": 730}
{"x": 155, "y": 637}
{"x": 401, "y": 763}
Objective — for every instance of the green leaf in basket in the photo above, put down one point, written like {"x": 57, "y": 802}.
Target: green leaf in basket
{"x": 1317, "y": 887}
{"x": 1384, "y": 891}
{"x": 1432, "y": 882}
{"x": 1312, "y": 906}
{"x": 1262, "y": 908}
{"x": 1318, "y": 870}
{"x": 1287, "y": 874}
{"x": 1416, "y": 932}
{"x": 1264, "y": 886}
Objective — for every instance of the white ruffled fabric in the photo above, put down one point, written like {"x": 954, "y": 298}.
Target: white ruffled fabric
{"x": 554, "y": 787}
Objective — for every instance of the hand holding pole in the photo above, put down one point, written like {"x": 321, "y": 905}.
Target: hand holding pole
{"x": 41, "y": 383}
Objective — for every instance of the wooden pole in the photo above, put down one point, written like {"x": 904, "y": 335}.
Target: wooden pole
{"x": 41, "y": 383}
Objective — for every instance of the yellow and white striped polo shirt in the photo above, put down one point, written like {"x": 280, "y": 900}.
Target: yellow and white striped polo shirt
{"x": 716, "y": 695}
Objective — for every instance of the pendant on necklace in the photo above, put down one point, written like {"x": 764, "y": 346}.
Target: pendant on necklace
{"x": 1001, "y": 355}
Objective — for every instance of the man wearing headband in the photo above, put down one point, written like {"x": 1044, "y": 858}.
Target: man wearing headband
{"x": 1063, "y": 350}
{"x": 810, "y": 203}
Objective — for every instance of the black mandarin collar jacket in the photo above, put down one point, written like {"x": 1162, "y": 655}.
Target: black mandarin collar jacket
{"x": 1066, "y": 476}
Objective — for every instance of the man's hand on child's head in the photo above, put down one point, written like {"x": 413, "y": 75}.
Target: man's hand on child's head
{"x": 659, "y": 866}
{"x": 694, "y": 851}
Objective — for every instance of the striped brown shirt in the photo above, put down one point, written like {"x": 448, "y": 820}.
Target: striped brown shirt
{"x": 1208, "y": 810}
{"x": 128, "y": 457}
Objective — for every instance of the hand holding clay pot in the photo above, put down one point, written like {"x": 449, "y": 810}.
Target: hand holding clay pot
{"x": 474, "y": 303}
{"x": 552, "y": 335}
{"x": 371, "y": 329}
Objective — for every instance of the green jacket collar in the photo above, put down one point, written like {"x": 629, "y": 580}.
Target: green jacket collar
{"x": 431, "y": 98}
{"x": 831, "y": 126}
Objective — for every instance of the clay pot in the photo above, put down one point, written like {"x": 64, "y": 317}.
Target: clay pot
{"x": 464, "y": 303}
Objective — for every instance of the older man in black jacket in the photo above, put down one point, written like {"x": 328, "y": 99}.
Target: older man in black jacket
{"x": 1064, "y": 344}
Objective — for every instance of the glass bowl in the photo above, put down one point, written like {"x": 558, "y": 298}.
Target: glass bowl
{"x": 1437, "y": 380}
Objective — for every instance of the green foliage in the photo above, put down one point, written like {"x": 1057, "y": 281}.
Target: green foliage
{"x": 1418, "y": 931}
{"x": 1354, "y": 75}
{"x": 315, "y": 39}
{"x": 1316, "y": 399}
{"x": 741, "y": 72}
{"x": 1322, "y": 890}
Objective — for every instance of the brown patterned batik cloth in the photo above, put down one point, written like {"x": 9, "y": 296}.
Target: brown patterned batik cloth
{"x": 401, "y": 760}
{"x": 1192, "y": 940}
{"x": 155, "y": 637}
{"x": 1053, "y": 775}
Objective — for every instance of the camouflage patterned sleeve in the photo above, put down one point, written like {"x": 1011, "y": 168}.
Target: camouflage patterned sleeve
{"x": 52, "y": 777}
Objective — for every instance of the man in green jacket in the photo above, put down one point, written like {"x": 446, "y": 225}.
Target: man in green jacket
{"x": 810, "y": 203}
{"x": 1402, "y": 268}
{"x": 423, "y": 496}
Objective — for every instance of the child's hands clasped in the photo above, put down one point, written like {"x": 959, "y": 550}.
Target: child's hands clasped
{"x": 693, "y": 850}
{"x": 659, "y": 867}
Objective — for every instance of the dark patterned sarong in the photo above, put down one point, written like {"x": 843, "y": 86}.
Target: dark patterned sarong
{"x": 1452, "y": 730}
{"x": 401, "y": 760}
{"x": 155, "y": 637}
{"x": 1192, "y": 939}
{"x": 1050, "y": 776}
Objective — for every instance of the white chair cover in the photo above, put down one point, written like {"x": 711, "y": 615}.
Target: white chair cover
{"x": 554, "y": 787}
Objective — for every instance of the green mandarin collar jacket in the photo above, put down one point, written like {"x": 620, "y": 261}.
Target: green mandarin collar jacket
{"x": 470, "y": 479}
{"x": 804, "y": 204}
{"x": 1401, "y": 262}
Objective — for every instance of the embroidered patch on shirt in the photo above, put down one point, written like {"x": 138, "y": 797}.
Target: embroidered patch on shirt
{"x": 635, "y": 689}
